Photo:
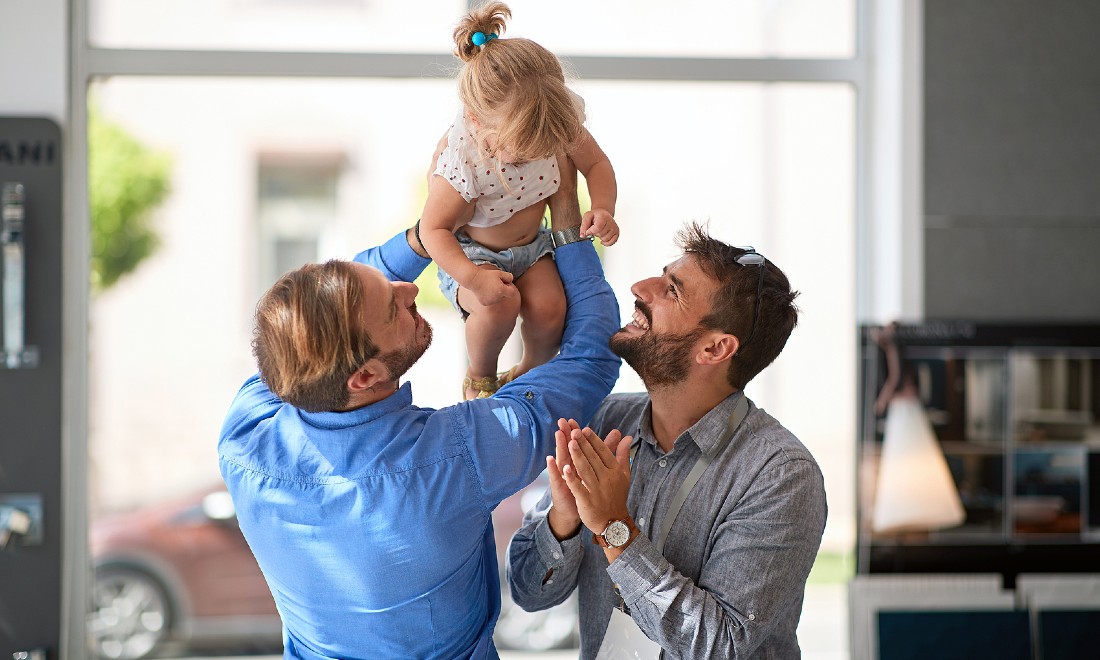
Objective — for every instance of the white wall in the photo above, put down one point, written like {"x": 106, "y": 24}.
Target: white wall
{"x": 34, "y": 58}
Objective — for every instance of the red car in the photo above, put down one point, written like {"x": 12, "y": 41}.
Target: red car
{"x": 179, "y": 575}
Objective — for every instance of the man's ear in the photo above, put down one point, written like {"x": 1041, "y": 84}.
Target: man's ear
{"x": 718, "y": 348}
{"x": 367, "y": 376}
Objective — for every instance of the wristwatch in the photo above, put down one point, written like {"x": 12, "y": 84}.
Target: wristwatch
{"x": 615, "y": 535}
{"x": 567, "y": 236}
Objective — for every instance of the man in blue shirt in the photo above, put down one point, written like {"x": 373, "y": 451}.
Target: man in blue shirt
{"x": 370, "y": 516}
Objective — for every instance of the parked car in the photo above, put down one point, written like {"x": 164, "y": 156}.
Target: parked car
{"x": 178, "y": 576}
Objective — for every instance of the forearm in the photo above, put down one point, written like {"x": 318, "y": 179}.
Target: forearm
{"x": 565, "y": 211}
{"x": 602, "y": 187}
{"x": 591, "y": 317}
{"x": 441, "y": 244}
{"x": 542, "y": 571}
{"x": 515, "y": 427}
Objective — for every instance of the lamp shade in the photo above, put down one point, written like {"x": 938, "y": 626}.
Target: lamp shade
{"x": 914, "y": 490}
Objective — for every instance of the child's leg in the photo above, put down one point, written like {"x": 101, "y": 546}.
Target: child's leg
{"x": 542, "y": 308}
{"x": 487, "y": 329}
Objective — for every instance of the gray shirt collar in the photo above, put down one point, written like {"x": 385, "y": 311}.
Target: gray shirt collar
{"x": 705, "y": 433}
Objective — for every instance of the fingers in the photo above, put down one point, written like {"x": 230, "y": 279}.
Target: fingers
{"x": 575, "y": 484}
{"x": 584, "y": 460}
{"x": 561, "y": 449}
{"x": 622, "y": 454}
{"x": 609, "y": 237}
{"x": 611, "y": 441}
{"x": 601, "y": 455}
{"x": 553, "y": 471}
{"x": 586, "y": 224}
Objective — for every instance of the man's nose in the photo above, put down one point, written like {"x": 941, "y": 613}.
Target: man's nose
{"x": 643, "y": 288}
{"x": 408, "y": 291}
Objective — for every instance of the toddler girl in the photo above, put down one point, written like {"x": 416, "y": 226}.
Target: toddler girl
{"x": 494, "y": 170}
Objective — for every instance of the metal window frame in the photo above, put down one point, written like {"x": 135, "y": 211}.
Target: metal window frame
{"x": 88, "y": 62}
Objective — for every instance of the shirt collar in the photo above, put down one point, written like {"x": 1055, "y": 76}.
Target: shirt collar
{"x": 705, "y": 433}
{"x": 400, "y": 399}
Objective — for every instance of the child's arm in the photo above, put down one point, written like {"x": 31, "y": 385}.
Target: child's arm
{"x": 444, "y": 212}
{"x": 593, "y": 163}
{"x": 436, "y": 154}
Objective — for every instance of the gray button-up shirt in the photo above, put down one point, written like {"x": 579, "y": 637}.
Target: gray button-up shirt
{"x": 731, "y": 579}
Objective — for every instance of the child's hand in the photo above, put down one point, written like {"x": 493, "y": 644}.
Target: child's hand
{"x": 492, "y": 286}
{"x": 600, "y": 224}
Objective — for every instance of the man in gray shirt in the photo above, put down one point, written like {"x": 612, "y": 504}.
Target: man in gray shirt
{"x": 698, "y": 529}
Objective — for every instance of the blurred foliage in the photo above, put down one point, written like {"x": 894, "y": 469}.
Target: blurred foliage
{"x": 832, "y": 568}
{"x": 126, "y": 182}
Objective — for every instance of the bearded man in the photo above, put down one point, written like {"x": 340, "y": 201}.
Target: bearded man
{"x": 368, "y": 515}
{"x": 686, "y": 517}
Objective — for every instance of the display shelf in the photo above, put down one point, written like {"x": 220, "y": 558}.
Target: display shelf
{"x": 1015, "y": 410}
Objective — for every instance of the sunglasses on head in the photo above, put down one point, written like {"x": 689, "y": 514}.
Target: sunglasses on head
{"x": 752, "y": 258}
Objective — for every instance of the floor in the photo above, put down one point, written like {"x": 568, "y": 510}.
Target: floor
{"x": 822, "y": 632}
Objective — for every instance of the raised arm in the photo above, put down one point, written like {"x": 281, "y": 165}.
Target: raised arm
{"x": 512, "y": 432}
{"x": 593, "y": 163}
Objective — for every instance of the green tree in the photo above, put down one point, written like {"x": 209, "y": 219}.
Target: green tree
{"x": 126, "y": 181}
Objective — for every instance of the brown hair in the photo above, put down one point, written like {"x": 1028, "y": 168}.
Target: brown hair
{"x": 309, "y": 336}
{"x": 733, "y": 303}
{"x": 517, "y": 83}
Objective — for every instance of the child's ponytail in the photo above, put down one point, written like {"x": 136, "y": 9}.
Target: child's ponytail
{"x": 487, "y": 19}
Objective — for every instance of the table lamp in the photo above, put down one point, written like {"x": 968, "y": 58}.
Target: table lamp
{"x": 914, "y": 490}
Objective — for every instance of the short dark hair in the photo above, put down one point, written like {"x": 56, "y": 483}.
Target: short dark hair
{"x": 309, "y": 335}
{"x": 732, "y": 305}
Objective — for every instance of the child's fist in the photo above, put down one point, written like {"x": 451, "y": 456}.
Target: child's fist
{"x": 600, "y": 223}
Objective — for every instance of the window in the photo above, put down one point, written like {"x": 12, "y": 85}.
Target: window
{"x": 752, "y": 124}
{"x": 297, "y": 204}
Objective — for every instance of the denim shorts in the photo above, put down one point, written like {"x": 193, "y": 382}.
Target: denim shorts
{"x": 515, "y": 260}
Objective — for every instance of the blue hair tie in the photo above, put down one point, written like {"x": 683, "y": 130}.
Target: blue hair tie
{"x": 480, "y": 38}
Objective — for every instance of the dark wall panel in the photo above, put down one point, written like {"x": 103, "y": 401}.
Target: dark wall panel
{"x": 997, "y": 269}
{"x": 30, "y": 398}
{"x": 1012, "y": 107}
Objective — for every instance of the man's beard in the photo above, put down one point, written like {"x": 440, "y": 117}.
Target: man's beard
{"x": 661, "y": 359}
{"x": 401, "y": 360}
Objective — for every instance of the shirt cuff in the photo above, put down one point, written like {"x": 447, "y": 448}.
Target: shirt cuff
{"x": 399, "y": 258}
{"x": 553, "y": 553}
{"x": 576, "y": 261}
{"x": 637, "y": 569}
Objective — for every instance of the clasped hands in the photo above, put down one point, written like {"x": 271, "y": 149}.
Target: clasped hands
{"x": 589, "y": 480}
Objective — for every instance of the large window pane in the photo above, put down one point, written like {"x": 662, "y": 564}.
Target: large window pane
{"x": 269, "y": 172}
{"x": 700, "y": 28}
{"x": 329, "y": 25}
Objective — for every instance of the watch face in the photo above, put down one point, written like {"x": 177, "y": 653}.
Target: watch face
{"x": 617, "y": 534}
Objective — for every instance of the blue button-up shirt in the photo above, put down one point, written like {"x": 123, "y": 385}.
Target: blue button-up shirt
{"x": 372, "y": 527}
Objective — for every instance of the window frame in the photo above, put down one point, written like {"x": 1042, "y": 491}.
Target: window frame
{"x": 891, "y": 251}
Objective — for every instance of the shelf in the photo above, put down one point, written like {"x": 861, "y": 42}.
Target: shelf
{"x": 1016, "y": 412}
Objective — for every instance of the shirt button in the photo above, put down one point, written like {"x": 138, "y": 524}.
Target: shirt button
{"x": 662, "y": 462}
{"x": 556, "y": 555}
{"x": 641, "y": 522}
{"x": 752, "y": 617}
{"x": 550, "y": 581}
